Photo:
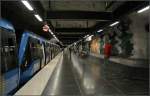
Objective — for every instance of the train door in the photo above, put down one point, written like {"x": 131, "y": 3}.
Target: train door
{"x": 51, "y": 49}
{"x": 47, "y": 48}
{"x": 9, "y": 65}
{"x": 31, "y": 61}
{"x": 42, "y": 55}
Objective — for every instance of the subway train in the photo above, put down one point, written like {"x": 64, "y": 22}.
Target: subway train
{"x": 19, "y": 62}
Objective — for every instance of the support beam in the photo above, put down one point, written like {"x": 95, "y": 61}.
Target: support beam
{"x": 84, "y": 30}
{"x": 99, "y": 25}
{"x": 81, "y": 15}
{"x": 69, "y": 40}
{"x": 65, "y": 37}
{"x": 70, "y": 33}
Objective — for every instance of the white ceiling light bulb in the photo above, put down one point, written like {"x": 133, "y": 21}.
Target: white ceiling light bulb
{"x": 38, "y": 17}
{"x": 115, "y": 23}
{"x": 27, "y": 4}
{"x": 100, "y": 30}
{"x": 144, "y": 9}
{"x": 54, "y": 35}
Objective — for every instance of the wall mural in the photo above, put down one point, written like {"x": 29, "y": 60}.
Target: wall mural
{"x": 125, "y": 37}
{"x": 119, "y": 36}
{"x": 95, "y": 45}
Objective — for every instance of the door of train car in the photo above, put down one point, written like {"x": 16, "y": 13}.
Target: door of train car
{"x": 9, "y": 65}
{"x": 31, "y": 61}
{"x": 52, "y": 51}
{"x": 36, "y": 54}
{"x": 42, "y": 53}
{"x": 47, "y": 53}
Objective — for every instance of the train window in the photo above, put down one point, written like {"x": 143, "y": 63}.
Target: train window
{"x": 35, "y": 49}
{"x": 10, "y": 41}
{"x": 8, "y": 50}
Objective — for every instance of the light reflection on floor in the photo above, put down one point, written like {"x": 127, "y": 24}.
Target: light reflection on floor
{"x": 93, "y": 78}
{"x": 99, "y": 78}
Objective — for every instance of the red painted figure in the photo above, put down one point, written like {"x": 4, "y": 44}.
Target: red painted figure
{"x": 107, "y": 50}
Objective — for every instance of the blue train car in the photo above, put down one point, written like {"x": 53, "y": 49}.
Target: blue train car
{"x": 19, "y": 64}
{"x": 34, "y": 54}
{"x": 9, "y": 64}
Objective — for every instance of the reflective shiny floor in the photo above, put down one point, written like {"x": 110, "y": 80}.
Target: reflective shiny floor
{"x": 91, "y": 76}
{"x": 63, "y": 82}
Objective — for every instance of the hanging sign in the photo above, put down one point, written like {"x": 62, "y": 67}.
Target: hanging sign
{"x": 45, "y": 28}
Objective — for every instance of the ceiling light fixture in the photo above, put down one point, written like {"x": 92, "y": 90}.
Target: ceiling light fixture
{"x": 51, "y": 32}
{"x": 27, "y": 4}
{"x": 38, "y": 17}
{"x": 115, "y": 23}
{"x": 55, "y": 37}
{"x": 143, "y": 9}
{"x": 100, "y": 30}
{"x": 89, "y": 38}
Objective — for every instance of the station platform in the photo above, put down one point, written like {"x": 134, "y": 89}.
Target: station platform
{"x": 86, "y": 76}
{"x": 74, "y": 48}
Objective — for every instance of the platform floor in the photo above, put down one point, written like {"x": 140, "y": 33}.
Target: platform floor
{"x": 63, "y": 82}
{"x": 89, "y": 76}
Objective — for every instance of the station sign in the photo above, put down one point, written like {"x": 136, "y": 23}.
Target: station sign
{"x": 45, "y": 28}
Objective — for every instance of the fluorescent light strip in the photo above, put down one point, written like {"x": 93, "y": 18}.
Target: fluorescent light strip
{"x": 38, "y": 17}
{"x": 54, "y": 35}
{"x": 115, "y": 23}
{"x": 51, "y": 32}
{"x": 86, "y": 36}
{"x": 26, "y": 3}
{"x": 100, "y": 30}
{"x": 144, "y": 9}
